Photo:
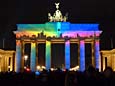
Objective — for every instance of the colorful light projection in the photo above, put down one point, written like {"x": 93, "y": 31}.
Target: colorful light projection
{"x": 33, "y": 57}
{"x": 82, "y": 55}
{"x": 67, "y": 54}
{"x": 59, "y": 30}
{"x": 48, "y": 54}
{"x": 18, "y": 55}
{"x": 54, "y": 29}
{"x": 97, "y": 54}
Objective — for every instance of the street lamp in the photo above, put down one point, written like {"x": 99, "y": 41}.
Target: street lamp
{"x": 25, "y": 60}
{"x": 25, "y": 57}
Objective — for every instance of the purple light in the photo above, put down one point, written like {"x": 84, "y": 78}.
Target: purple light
{"x": 82, "y": 55}
{"x": 97, "y": 54}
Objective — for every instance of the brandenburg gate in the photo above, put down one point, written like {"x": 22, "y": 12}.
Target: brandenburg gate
{"x": 57, "y": 30}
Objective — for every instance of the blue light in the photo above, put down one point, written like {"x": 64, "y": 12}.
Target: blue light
{"x": 18, "y": 57}
{"x": 58, "y": 28}
{"x": 54, "y": 29}
{"x": 33, "y": 57}
{"x": 48, "y": 55}
{"x": 37, "y": 73}
{"x": 97, "y": 54}
{"x": 64, "y": 26}
{"x": 67, "y": 54}
{"x": 82, "y": 55}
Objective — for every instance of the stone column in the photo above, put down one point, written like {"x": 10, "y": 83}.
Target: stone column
{"x": 3, "y": 63}
{"x": 48, "y": 55}
{"x": 11, "y": 64}
{"x": 82, "y": 55}
{"x": 18, "y": 55}
{"x": 78, "y": 54}
{"x": 7, "y": 63}
{"x": 33, "y": 57}
{"x": 37, "y": 54}
{"x": 113, "y": 62}
{"x": 97, "y": 54}
{"x": 67, "y": 54}
{"x": 0, "y": 65}
{"x": 22, "y": 56}
{"x": 92, "y": 51}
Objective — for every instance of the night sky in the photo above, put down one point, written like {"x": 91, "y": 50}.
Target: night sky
{"x": 35, "y": 11}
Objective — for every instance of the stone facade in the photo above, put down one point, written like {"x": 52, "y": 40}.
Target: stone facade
{"x": 7, "y": 60}
{"x": 107, "y": 59}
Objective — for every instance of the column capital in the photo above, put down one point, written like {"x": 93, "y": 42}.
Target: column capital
{"x": 49, "y": 38}
{"x": 96, "y": 38}
{"x": 18, "y": 42}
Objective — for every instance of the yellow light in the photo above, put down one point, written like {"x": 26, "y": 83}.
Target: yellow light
{"x": 24, "y": 67}
{"x": 38, "y": 67}
{"x": 114, "y": 55}
{"x": 52, "y": 69}
{"x": 74, "y": 68}
{"x": 25, "y": 57}
{"x": 8, "y": 66}
{"x": 43, "y": 67}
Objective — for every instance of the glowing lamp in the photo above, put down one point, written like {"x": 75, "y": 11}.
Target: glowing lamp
{"x": 38, "y": 67}
{"x": 43, "y": 67}
{"x": 27, "y": 69}
{"x": 37, "y": 73}
{"x": 52, "y": 69}
{"x": 25, "y": 57}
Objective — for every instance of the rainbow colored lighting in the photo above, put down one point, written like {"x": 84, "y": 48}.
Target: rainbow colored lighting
{"x": 18, "y": 56}
{"x": 33, "y": 57}
{"x": 48, "y": 55}
{"x": 97, "y": 53}
{"x": 67, "y": 54}
{"x": 57, "y": 30}
{"x": 82, "y": 55}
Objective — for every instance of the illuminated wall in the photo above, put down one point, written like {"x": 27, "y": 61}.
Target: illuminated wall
{"x": 7, "y": 62}
{"x": 67, "y": 54}
{"x": 48, "y": 54}
{"x": 108, "y": 59}
{"x": 56, "y": 30}
{"x": 18, "y": 56}
{"x": 97, "y": 54}
{"x": 33, "y": 57}
{"x": 82, "y": 55}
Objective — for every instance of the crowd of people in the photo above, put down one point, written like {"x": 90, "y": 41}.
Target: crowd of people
{"x": 90, "y": 77}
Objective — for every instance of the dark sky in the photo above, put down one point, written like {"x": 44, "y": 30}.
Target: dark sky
{"x": 35, "y": 11}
